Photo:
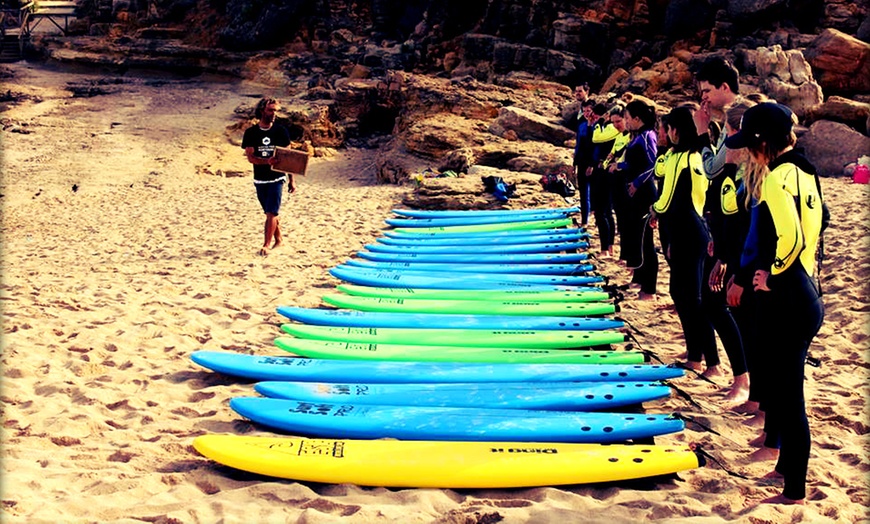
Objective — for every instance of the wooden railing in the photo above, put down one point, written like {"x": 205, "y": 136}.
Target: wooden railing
{"x": 52, "y": 10}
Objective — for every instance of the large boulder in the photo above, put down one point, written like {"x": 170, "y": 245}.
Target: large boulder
{"x": 853, "y": 113}
{"x": 434, "y": 136}
{"x": 841, "y": 62}
{"x": 787, "y": 77}
{"x": 529, "y": 126}
{"x": 666, "y": 75}
{"x": 533, "y": 157}
{"x": 831, "y": 145}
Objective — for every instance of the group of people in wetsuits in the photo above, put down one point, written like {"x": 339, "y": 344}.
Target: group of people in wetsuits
{"x": 740, "y": 214}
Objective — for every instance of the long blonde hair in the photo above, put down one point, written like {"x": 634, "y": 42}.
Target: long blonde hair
{"x": 757, "y": 170}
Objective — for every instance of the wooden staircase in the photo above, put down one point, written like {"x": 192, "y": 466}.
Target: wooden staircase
{"x": 16, "y": 25}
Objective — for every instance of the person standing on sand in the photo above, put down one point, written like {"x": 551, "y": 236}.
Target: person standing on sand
{"x": 259, "y": 143}
{"x": 788, "y": 225}
{"x": 637, "y": 170}
{"x": 603, "y": 136}
{"x": 583, "y": 150}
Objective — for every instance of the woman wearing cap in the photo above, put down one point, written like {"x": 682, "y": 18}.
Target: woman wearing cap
{"x": 787, "y": 224}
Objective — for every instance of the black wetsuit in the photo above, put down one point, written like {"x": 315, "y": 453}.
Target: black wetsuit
{"x": 679, "y": 208}
{"x": 714, "y": 302}
{"x": 637, "y": 237}
{"x": 786, "y": 229}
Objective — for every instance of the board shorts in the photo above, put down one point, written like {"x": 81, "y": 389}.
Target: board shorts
{"x": 269, "y": 194}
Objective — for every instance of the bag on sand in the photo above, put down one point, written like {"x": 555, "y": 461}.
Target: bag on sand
{"x": 498, "y": 188}
{"x": 558, "y": 184}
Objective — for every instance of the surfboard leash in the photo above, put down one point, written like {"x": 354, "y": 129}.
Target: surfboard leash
{"x": 683, "y": 393}
{"x": 633, "y": 328}
{"x": 695, "y": 371}
{"x": 699, "y": 424}
{"x": 699, "y": 450}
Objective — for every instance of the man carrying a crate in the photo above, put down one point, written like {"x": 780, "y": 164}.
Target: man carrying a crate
{"x": 259, "y": 143}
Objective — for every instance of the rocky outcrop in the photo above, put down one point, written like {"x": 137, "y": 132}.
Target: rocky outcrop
{"x": 439, "y": 134}
{"x": 830, "y": 146}
{"x": 786, "y": 77}
{"x": 467, "y": 192}
{"x": 521, "y": 124}
{"x": 841, "y": 62}
{"x": 850, "y": 112}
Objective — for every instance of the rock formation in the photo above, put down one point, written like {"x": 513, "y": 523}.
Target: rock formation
{"x": 487, "y": 84}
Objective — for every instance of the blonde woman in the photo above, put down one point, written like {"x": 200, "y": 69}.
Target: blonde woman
{"x": 786, "y": 225}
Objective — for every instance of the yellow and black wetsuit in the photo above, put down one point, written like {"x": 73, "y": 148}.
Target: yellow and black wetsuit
{"x": 679, "y": 209}
{"x": 789, "y": 223}
{"x": 603, "y": 136}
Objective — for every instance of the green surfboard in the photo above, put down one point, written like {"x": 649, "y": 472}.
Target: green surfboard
{"x": 458, "y": 337}
{"x": 416, "y": 353}
{"x": 470, "y": 307}
{"x": 510, "y": 226}
{"x": 477, "y": 294}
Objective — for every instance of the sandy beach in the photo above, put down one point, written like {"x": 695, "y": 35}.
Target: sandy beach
{"x": 125, "y": 247}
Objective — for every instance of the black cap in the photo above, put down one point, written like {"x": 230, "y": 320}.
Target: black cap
{"x": 761, "y": 123}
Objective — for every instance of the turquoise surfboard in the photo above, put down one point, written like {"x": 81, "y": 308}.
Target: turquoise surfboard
{"x": 561, "y": 396}
{"x": 262, "y": 367}
{"x": 347, "y": 420}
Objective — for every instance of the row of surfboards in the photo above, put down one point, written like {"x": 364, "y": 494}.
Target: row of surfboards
{"x": 468, "y": 337}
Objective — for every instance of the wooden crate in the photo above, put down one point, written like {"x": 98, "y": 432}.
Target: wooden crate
{"x": 290, "y": 161}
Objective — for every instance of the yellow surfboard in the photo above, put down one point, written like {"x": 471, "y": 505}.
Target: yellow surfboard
{"x": 436, "y": 464}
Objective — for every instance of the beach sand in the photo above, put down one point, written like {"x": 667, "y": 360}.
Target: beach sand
{"x": 125, "y": 248}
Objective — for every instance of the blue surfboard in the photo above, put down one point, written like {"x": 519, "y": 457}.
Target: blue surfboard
{"x": 349, "y": 272}
{"x": 350, "y": 318}
{"x": 470, "y": 220}
{"x": 347, "y": 420}
{"x": 259, "y": 367}
{"x": 395, "y": 279}
{"x": 486, "y": 234}
{"x": 449, "y": 213}
{"x": 564, "y": 396}
{"x": 535, "y": 258}
{"x": 482, "y": 241}
{"x": 557, "y": 247}
{"x": 530, "y": 269}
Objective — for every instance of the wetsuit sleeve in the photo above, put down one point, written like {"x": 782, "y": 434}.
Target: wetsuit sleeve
{"x": 669, "y": 187}
{"x": 749, "y": 256}
{"x": 786, "y": 222}
{"x": 661, "y": 163}
{"x": 713, "y": 156}
{"x": 606, "y": 134}
{"x": 646, "y": 158}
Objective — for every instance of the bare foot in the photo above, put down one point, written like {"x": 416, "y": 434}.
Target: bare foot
{"x": 264, "y": 251}
{"x": 278, "y": 243}
{"x": 764, "y": 454}
{"x": 737, "y": 396}
{"x": 713, "y": 371}
{"x": 750, "y": 406}
{"x": 758, "y": 441}
{"x": 756, "y": 421}
{"x": 782, "y": 499}
{"x": 646, "y": 296}
{"x": 690, "y": 364}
